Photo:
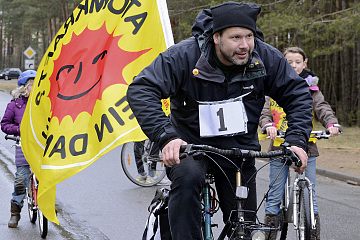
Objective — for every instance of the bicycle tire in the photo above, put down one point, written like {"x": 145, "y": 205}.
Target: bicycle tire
{"x": 283, "y": 223}
{"x": 286, "y": 209}
{"x": 43, "y": 224}
{"x": 130, "y": 169}
{"x": 31, "y": 202}
{"x": 304, "y": 218}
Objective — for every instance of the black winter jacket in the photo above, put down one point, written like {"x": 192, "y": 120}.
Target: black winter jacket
{"x": 171, "y": 75}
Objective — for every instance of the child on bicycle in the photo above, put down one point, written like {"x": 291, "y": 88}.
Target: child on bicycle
{"x": 150, "y": 176}
{"x": 138, "y": 152}
{"x": 273, "y": 118}
{"x": 10, "y": 124}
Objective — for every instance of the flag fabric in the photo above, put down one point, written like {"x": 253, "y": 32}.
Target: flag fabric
{"x": 78, "y": 110}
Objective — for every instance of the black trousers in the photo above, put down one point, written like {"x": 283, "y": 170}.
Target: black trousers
{"x": 188, "y": 179}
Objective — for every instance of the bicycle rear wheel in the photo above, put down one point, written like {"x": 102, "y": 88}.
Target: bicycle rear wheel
{"x": 148, "y": 162}
{"x": 30, "y": 201}
{"x": 304, "y": 219}
{"x": 43, "y": 224}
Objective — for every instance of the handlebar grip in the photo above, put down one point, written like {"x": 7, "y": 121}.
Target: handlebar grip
{"x": 263, "y": 129}
{"x": 337, "y": 126}
{"x": 12, "y": 137}
{"x": 294, "y": 157}
{"x": 184, "y": 151}
{"x": 182, "y": 148}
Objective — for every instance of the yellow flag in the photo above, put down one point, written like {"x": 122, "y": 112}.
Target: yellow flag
{"x": 78, "y": 110}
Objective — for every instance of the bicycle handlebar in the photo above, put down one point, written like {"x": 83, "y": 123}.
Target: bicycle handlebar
{"x": 12, "y": 137}
{"x": 192, "y": 149}
{"x": 323, "y": 134}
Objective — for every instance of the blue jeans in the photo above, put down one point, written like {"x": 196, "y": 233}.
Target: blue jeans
{"x": 277, "y": 190}
{"x": 20, "y": 184}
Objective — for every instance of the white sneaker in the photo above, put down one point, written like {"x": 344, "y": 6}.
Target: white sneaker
{"x": 151, "y": 179}
{"x": 141, "y": 178}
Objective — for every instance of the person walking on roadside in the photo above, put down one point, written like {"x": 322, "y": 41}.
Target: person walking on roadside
{"x": 273, "y": 118}
{"x": 227, "y": 66}
{"x": 10, "y": 124}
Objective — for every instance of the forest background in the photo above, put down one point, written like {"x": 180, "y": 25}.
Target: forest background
{"x": 328, "y": 31}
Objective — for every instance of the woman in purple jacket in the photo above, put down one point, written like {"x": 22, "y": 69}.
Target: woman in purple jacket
{"x": 10, "y": 124}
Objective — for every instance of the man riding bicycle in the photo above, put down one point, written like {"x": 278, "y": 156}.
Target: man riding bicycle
{"x": 216, "y": 82}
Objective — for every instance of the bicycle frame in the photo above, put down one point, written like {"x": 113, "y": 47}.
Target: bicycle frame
{"x": 236, "y": 227}
{"x": 34, "y": 188}
{"x": 291, "y": 200}
{"x": 207, "y": 210}
{"x": 241, "y": 227}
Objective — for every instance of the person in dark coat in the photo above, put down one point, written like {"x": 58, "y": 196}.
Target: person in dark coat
{"x": 10, "y": 124}
{"x": 226, "y": 62}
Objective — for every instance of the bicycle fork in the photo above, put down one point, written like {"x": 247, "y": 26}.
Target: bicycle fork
{"x": 296, "y": 195}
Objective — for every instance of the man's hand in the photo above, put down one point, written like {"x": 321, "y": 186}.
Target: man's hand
{"x": 170, "y": 152}
{"x": 303, "y": 157}
{"x": 271, "y": 132}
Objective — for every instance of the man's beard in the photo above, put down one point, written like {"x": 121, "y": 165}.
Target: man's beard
{"x": 233, "y": 59}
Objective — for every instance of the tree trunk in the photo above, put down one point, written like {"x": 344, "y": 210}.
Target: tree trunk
{"x": 346, "y": 86}
{"x": 335, "y": 83}
{"x": 50, "y": 34}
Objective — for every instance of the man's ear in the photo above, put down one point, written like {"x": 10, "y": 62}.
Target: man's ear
{"x": 216, "y": 37}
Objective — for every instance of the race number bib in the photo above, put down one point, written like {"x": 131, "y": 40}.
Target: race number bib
{"x": 222, "y": 118}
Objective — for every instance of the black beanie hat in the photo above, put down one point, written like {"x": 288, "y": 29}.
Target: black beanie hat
{"x": 234, "y": 14}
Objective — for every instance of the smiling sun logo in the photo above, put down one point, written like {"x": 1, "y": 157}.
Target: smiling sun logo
{"x": 96, "y": 63}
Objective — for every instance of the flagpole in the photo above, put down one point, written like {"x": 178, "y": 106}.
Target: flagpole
{"x": 165, "y": 22}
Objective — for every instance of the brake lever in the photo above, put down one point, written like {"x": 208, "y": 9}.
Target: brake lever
{"x": 295, "y": 158}
{"x": 291, "y": 154}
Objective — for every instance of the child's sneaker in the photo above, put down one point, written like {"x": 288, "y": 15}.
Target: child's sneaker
{"x": 141, "y": 177}
{"x": 151, "y": 179}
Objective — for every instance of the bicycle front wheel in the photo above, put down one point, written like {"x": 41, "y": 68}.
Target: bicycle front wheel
{"x": 30, "y": 201}
{"x": 283, "y": 223}
{"x": 43, "y": 224}
{"x": 304, "y": 214}
{"x": 149, "y": 161}
{"x": 286, "y": 209}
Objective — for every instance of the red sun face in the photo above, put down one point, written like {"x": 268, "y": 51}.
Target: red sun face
{"x": 277, "y": 116}
{"x": 87, "y": 65}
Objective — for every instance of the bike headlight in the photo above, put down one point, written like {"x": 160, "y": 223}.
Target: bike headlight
{"x": 257, "y": 235}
